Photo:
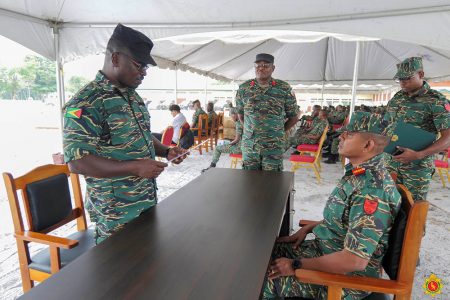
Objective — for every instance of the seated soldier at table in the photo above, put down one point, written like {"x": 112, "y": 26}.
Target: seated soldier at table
{"x": 233, "y": 147}
{"x": 309, "y": 135}
{"x": 353, "y": 236}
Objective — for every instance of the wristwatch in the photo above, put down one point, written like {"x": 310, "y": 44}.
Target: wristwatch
{"x": 296, "y": 264}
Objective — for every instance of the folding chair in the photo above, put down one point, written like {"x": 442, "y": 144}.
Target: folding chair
{"x": 46, "y": 200}
{"x": 235, "y": 158}
{"x": 308, "y": 161}
{"x": 442, "y": 167}
{"x": 313, "y": 148}
{"x": 399, "y": 262}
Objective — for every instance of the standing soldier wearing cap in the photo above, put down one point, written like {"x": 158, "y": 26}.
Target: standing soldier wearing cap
{"x": 107, "y": 136}
{"x": 416, "y": 103}
{"x": 263, "y": 106}
{"x": 353, "y": 236}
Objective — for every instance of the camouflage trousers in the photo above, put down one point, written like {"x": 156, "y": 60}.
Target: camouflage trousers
{"x": 415, "y": 176}
{"x": 262, "y": 156}
{"x": 234, "y": 149}
{"x": 335, "y": 146}
{"x": 289, "y": 286}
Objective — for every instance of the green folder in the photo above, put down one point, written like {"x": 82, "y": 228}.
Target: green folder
{"x": 409, "y": 136}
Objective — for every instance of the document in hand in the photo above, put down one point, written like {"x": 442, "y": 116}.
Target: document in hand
{"x": 409, "y": 136}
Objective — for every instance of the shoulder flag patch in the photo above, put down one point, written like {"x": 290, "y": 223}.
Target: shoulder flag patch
{"x": 447, "y": 106}
{"x": 73, "y": 112}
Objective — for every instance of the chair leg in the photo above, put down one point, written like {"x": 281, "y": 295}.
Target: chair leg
{"x": 334, "y": 292}
{"x": 316, "y": 170}
{"x": 27, "y": 283}
{"x": 441, "y": 176}
{"x": 448, "y": 175}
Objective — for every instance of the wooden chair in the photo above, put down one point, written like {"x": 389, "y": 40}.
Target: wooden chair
{"x": 220, "y": 125}
{"x": 312, "y": 149}
{"x": 214, "y": 132}
{"x": 309, "y": 161}
{"x": 202, "y": 133}
{"x": 442, "y": 167}
{"x": 399, "y": 262}
{"x": 235, "y": 158}
{"x": 46, "y": 201}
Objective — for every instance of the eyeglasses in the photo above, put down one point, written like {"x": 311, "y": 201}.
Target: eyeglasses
{"x": 140, "y": 67}
{"x": 263, "y": 66}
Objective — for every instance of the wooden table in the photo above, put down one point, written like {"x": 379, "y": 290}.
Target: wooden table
{"x": 212, "y": 239}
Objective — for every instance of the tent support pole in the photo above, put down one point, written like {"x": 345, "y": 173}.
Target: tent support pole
{"x": 355, "y": 78}
{"x": 206, "y": 91}
{"x": 176, "y": 84}
{"x": 59, "y": 76}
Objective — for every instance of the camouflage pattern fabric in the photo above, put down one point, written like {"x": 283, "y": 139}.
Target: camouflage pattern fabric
{"x": 211, "y": 116}
{"x": 427, "y": 109}
{"x": 114, "y": 124}
{"x": 357, "y": 217}
{"x": 336, "y": 117}
{"x": 317, "y": 128}
{"x": 264, "y": 110}
{"x": 408, "y": 67}
{"x": 234, "y": 149}
{"x": 197, "y": 113}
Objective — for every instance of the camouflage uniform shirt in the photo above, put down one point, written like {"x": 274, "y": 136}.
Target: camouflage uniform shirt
{"x": 114, "y": 124}
{"x": 211, "y": 116}
{"x": 197, "y": 113}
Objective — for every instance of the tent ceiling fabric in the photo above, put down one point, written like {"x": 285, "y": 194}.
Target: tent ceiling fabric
{"x": 85, "y": 27}
{"x": 304, "y": 57}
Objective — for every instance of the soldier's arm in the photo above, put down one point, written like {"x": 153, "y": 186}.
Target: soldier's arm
{"x": 100, "y": 167}
{"x": 341, "y": 262}
{"x": 290, "y": 123}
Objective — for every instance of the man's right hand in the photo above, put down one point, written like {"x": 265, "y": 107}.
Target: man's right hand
{"x": 149, "y": 168}
{"x": 297, "y": 238}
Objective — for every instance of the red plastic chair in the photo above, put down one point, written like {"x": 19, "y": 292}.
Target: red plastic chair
{"x": 442, "y": 167}
{"x": 235, "y": 158}
{"x": 167, "y": 136}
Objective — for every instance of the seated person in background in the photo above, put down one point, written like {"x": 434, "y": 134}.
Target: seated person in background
{"x": 178, "y": 120}
{"x": 234, "y": 147}
{"x": 211, "y": 113}
{"x": 198, "y": 111}
{"x": 337, "y": 117}
{"x": 353, "y": 236}
{"x": 315, "y": 112}
{"x": 309, "y": 135}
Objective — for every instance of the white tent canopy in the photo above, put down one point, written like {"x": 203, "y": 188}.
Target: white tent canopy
{"x": 300, "y": 57}
{"x": 85, "y": 26}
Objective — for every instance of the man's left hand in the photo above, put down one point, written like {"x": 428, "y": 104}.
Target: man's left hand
{"x": 177, "y": 151}
{"x": 407, "y": 156}
{"x": 281, "y": 267}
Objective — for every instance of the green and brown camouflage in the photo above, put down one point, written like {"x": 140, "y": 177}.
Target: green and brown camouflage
{"x": 114, "y": 124}
{"x": 233, "y": 149}
{"x": 367, "y": 122}
{"x": 408, "y": 67}
{"x": 336, "y": 117}
{"x": 357, "y": 217}
{"x": 317, "y": 128}
{"x": 265, "y": 110}
{"x": 427, "y": 109}
{"x": 199, "y": 111}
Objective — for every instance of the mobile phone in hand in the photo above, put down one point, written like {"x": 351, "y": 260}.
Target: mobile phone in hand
{"x": 397, "y": 152}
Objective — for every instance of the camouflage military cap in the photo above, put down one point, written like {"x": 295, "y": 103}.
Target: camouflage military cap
{"x": 408, "y": 67}
{"x": 367, "y": 122}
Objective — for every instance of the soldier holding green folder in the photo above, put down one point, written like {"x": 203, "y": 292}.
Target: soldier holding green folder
{"x": 419, "y": 105}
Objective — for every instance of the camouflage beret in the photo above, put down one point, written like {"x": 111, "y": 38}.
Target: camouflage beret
{"x": 408, "y": 67}
{"x": 367, "y": 122}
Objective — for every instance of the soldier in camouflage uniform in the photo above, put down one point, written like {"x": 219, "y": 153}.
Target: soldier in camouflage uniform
{"x": 211, "y": 113}
{"x": 337, "y": 117}
{"x": 263, "y": 105}
{"x": 198, "y": 111}
{"x": 416, "y": 103}
{"x": 107, "y": 136}
{"x": 310, "y": 135}
{"x": 233, "y": 147}
{"x": 353, "y": 236}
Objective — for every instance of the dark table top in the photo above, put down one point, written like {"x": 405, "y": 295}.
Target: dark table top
{"x": 211, "y": 239}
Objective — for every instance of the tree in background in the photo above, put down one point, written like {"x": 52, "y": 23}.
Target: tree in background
{"x": 76, "y": 83}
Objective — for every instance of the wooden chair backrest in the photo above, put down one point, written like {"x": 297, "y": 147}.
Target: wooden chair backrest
{"x": 415, "y": 226}
{"x": 43, "y": 172}
{"x": 203, "y": 127}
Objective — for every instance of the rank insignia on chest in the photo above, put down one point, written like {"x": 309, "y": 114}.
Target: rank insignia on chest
{"x": 274, "y": 83}
{"x": 447, "y": 106}
{"x": 73, "y": 112}
{"x": 252, "y": 83}
{"x": 370, "y": 206}
{"x": 358, "y": 171}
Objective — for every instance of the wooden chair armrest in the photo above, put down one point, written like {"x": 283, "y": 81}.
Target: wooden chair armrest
{"x": 50, "y": 240}
{"x": 352, "y": 282}
{"x": 193, "y": 128}
{"x": 302, "y": 223}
